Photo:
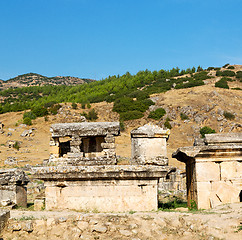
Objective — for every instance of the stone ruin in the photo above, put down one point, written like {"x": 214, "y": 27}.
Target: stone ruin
{"x": 86, "y": 177}
{"x": 13, "y": 187}
{"x": 213, "y": 170}
{"x": 148, "y": 145}
{"x": 84, "y": 143}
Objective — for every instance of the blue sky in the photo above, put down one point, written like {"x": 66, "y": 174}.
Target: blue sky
{"x": 97, "y": 38}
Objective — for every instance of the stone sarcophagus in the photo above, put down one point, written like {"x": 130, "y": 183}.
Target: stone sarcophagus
{"x": 101, "y": 188}
{"x": 149, "y": 145}
{"x": 87, "y": 143}
{"x": 213, "y": 170}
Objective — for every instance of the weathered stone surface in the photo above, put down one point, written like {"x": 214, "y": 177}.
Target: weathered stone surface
{"x": 85, "y": 129}
{"x": 4, "y": 216}
{"x": 84, "y": 143}
{"x": 13, "y": 186}
{"x": 102, "y": 188}
{"x": 150, "y": 130}
{"x": 214, "y": 170}
{"x": 224, "y": 138}
{"x": 39, "y": 204}
{"x": 149, "y": 145}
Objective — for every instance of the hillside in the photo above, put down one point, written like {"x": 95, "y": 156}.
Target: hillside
{"x": 203, "y": 105}
{"x": 34, "y": 79}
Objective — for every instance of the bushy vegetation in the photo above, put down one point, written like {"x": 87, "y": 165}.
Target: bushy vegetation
{"x": 130, "y": 115}
{"x": 206, "y": 130}
{"x": 167, "y": 123}
{"x": 16, "y": 145}
{"x": 183, "y": 116}
{"x": 91, "y": 115}
{"x": 239, "y": 74}
{"x": 74, "y": 105}
{"x": 231, "y": 67}
{"x": 228, "y": 115}
{"x": 130, "y": 93}
{"x": 225, "y": 73}
{"x": 157, "y": 114}
{"x": 222, "y": 83}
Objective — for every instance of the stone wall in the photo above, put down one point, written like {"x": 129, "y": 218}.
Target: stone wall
{"x": 214, "y": 170}
{"x": 102, "y": 188}
{"x": 85, "y": 143}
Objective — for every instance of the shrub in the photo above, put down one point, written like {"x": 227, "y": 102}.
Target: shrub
{"x": 229, "y": 116}
{"x": 222, "y": 83}
{"x": 83, "y": 105}
{"x": 54, "y": 109}
{"x": 88, "y": 105}
{"x": 50, "y": 104}
{"x": 122, "y": 126}
{"x": 227, "y": 79}
{"x": 231, "y": 67}
{"x": 206, "y": 130}
{"x": 16, "y": 145}
{"x": 157, "y": 114}
{"x": 40, "y": 111}
{"x": 239, "y": 74}
{"x": 183, "y": 116}
{"x": 225, "y": 73}
{"x": 27, "y": 121}
{"x": 210, "y": 68}
{"x": 167, "y": 123}
{"x": 125, "y": 116}
{"x": 74, "y": 105}
{"x": 226, "y": 65}
{"x": 92, "y": 115}
{"x": 30, "y": 115}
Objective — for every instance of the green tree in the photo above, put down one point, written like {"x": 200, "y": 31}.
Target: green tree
{"x": 206, "y": 130}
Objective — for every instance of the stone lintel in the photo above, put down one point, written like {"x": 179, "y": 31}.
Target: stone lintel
{"x": 85, "y": 129}
{"x": 74, "y": 173}
{"x": 225, "y": 152}
{"x": 223, "y": 138}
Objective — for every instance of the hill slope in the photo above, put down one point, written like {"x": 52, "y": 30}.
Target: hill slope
{"x": 34, "y": 79}
{"x": 204, "y": 106}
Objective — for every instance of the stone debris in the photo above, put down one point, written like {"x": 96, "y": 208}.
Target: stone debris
{"x": 13, "y": 186}
{"x": 11, "y": 161}
{"x": 27, "y": 133}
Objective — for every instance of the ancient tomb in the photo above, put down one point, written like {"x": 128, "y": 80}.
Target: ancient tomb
{"x": 101, "y": 188}
{"x": 86, "y": 143}
{"x": 13, "y": 187}
{"x": 149, "y": 145}
{"x": 86, "y": 178}
{"x": 213, "y": 170}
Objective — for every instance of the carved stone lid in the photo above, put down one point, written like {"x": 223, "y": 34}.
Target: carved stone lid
{"x": 85, "y": 129}
{"x": 150, "y": 130}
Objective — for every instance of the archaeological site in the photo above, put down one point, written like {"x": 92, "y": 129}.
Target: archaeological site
{"x": 83, "y": 175}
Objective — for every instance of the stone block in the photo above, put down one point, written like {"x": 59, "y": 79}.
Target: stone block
{"x": 39, "y": 204}
{"x": 231, "y": 170}
{"x": 108, "y": 145}
{"x": 203, "y": 195}
{"x": 207, "y": 171}
{"x": 54, "y": 150}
